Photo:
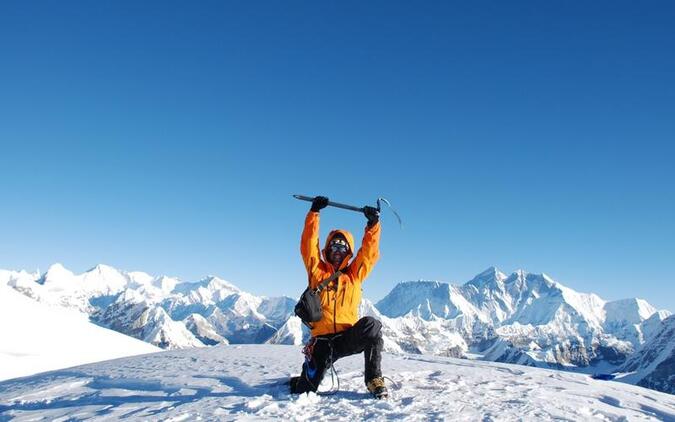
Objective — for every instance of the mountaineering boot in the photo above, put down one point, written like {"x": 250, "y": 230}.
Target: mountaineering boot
{"x": 377, "y": 388}
{"x": 293, "y": 384}
{"x": 299, "y": 385}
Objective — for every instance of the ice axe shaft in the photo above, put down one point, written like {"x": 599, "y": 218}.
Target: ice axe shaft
{"x": 353, "y": 208}
{"x": 330, "y": 203}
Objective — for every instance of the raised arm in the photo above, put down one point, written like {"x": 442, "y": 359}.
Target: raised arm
{"x": 309, "y": 243}
{"x": 369, "y": 252}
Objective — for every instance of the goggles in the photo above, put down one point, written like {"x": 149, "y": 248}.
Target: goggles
{"x": 339, "y": 245}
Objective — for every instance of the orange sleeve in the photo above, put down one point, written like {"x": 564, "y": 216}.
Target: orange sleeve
{"x": 309, "y": 247}
{"x": 368, "y": 254}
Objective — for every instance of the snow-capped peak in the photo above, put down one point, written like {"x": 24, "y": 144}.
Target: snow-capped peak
{"x": 217, "y": 282}
{"x": 102, "y": 269}
{"x": 521, "y": 306}
{"x": 56, "y": 273}
{"x": 632, "y": 310}
{"x": 491, "y": 277}
{"x": 103, "y": 279}
{"x": 292, "y": 332}
{"x": 427, "y": 299}
{"x": 493, "y": 273}
{"x": 548, "y": 279}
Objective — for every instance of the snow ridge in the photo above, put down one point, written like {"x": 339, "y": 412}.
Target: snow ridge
{"x": 38, "y": 337}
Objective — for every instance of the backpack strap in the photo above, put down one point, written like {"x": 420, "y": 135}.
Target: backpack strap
{"x": 324, "y": 283}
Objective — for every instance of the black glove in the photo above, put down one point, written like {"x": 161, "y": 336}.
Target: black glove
{"x": 372, "y": 214}
{"x": 319, "y": 203}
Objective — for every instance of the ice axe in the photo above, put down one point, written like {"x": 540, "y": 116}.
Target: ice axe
{"x": 352, "y": 207}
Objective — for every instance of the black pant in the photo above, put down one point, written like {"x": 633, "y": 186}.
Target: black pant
{"x": 365, "y": 336}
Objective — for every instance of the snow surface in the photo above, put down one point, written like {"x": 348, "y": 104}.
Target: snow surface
{"x": 35, "y": 337}
{"x": 234, "y": 382}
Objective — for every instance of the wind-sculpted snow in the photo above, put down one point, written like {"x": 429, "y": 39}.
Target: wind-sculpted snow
{"x": 245, "y": 383}
{"x": 36, "y": 337}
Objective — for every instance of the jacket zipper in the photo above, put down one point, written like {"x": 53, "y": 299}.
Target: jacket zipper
{"x": 335, "y": 305}
{"x": 344, "y": 293}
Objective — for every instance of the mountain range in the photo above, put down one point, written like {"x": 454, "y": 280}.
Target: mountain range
{"x": 522, "y": 318}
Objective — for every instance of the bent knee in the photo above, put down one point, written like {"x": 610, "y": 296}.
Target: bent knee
{"x": 370, "y": 327}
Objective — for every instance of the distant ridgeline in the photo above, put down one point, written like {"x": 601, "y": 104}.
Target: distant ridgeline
{"x": 522, "y": 318}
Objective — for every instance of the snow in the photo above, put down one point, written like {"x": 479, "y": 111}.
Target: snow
{"x": 291, "y": 332}
{"x": 427, "y": 298}
{"x": 522, "y": 318}
{"x": 409, "y": 333}
{"x": 655, "y": 323}
{"x": 203, "y": 330}
{"x": 35, "y": 337}
{"x": 659, "y": 352}
{"x": 633, "y": 311}
{"x": 164, "y": 328}
{"x": 155, "y": 309}
{"x": 208, "y": 291}
{"x": 131, "y": 315}
{"x": 531, "y": 312}
{"x": 61, "y": 287}
{"x": 234, "y": 382}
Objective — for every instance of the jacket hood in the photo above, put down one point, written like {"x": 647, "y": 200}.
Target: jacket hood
{"x": 350, "y": 241}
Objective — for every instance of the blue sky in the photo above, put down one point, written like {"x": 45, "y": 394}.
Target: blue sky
{"x": 168, "y": 137}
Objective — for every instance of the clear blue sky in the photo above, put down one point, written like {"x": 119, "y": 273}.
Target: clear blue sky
{"x": 168, "y": 137}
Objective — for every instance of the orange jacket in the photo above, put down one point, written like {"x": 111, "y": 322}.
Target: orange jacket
{"x": 341, "y": 298}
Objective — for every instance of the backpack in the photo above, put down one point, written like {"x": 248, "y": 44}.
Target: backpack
{"x": 308, "y": 308}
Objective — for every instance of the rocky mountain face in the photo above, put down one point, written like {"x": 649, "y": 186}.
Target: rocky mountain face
{"x": 131, "y": 315}
{"x": 528, "y": 319}
{"x": 653, "y": 365}
{"x": 203, "y": 330}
